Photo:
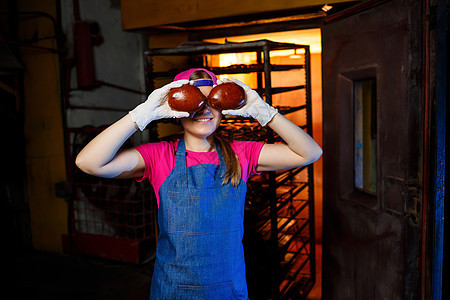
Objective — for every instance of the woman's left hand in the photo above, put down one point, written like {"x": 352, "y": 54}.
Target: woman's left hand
{"x": 254, "y": 107}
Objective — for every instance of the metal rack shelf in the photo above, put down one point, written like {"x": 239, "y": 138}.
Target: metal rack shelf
{"x": 229, "y": 47}
{"x": 234, "y": 69}
{"x": 281, "y": 204}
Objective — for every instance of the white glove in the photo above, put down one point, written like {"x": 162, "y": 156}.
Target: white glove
{"x": 254, "y": 106}
{"x": 156, "y": 106}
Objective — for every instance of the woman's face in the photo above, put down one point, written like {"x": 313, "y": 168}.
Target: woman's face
{"x": 204, "y": 122}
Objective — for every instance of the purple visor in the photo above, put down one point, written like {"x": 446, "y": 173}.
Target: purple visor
{"x": 203, "y": 82}
{"x": 187, "y": 74}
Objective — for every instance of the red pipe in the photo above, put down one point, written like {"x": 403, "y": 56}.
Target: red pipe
{"x": 76, "y": 10}
{"x": 84, "y": 55}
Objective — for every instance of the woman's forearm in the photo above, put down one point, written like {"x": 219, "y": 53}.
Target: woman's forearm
{"x": 296, "y": 138}
{"x": 96, "y": 157}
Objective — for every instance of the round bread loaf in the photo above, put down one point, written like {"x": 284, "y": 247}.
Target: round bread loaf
{"x": 228, "y": 95}
{"x": 186, "y": 98}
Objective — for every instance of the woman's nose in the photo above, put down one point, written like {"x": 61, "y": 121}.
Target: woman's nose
{"x": 205, "y": 108}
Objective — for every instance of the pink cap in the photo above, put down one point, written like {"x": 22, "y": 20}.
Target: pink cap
{"x": 186, "y": 74}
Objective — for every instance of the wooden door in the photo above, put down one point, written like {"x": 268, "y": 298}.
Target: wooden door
{"x": 373, "y": 141}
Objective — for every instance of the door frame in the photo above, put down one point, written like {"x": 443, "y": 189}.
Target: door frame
{"x": 415, "y": 264}
{"x": 436, "y": 80}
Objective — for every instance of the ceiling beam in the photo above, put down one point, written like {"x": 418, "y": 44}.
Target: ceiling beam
{"x": 141, "y": 14}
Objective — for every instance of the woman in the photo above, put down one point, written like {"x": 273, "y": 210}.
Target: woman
{"x": 200, "y": 184}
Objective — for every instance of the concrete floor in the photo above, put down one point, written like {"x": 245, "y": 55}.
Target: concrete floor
{"x": 37, "y": 275}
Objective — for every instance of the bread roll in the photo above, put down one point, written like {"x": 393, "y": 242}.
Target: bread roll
{"x": 186, "y": 98}
{"x": 228, "y": 95}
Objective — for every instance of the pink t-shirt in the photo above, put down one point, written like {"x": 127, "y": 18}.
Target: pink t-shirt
{"x": 160, "y": 159}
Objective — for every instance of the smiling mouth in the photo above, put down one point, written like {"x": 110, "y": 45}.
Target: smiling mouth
{"x": 203, "y": 119}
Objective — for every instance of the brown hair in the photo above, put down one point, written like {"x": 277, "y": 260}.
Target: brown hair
{"x": 233, "y": 171}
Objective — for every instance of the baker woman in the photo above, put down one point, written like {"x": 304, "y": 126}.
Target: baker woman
{"x": 200, "y": 182}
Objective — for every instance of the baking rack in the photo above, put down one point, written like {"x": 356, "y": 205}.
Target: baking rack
{"x": 279, "y": 211}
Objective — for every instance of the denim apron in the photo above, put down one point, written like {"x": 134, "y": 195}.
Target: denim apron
{"x": 200, "y": 253}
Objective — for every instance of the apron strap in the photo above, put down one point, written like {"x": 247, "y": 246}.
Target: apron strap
{"x": 181, "y": 164}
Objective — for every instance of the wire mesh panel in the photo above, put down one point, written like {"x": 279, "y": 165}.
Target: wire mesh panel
{"x": 110, "y": 218}
{"x": 108, "y": 207}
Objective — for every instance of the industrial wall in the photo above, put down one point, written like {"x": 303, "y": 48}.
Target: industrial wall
{"x": 45, "y": 160}
{"x": 118, "y": 67}
{"x": 117, "y": 62}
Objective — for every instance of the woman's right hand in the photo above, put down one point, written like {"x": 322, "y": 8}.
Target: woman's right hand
{"x": 156, "y": 106}
{"x": 254, "y": 107}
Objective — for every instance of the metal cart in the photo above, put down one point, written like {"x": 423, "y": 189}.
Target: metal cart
{"x": 279, "y": 217}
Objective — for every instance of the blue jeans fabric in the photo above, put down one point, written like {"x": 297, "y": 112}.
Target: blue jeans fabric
{"x": 200, "y": 253}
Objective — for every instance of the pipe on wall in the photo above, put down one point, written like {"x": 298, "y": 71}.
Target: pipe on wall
{"x": 84, "y": 55}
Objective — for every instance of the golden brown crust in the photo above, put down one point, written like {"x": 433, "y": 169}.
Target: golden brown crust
{"x": 186, "y": 98}
{"x": 227, "y": 95}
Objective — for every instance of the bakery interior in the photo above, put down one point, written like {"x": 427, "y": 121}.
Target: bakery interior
{"x": 365, "y": 78}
